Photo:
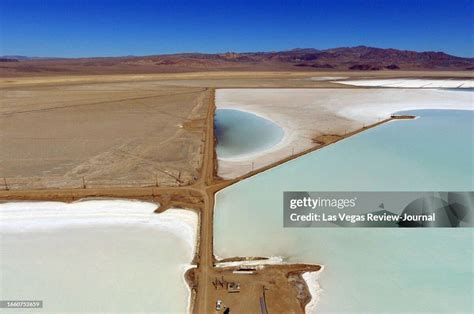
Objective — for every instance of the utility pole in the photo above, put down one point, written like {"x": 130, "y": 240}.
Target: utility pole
{"x": 6, "y": 185}
{"x": 83, "y": 183}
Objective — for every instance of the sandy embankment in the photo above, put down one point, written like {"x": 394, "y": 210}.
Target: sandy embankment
{"x": 305, "y": 114}
{"x": 312, "y": 281}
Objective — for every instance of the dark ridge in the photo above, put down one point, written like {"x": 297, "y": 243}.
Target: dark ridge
{"x": 364, "y": 67}
{"x": 8, "y": 60}
{"x": 360, "y": 58}
{"x": 392, "y": 67}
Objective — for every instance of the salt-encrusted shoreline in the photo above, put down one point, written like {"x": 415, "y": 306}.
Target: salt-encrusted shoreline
{"x": 287, "y": 137}
{"x": 411, "y": 83}
{"x": 312, "y": 282}
{"x": 27, "y": 216}
{"x": 190, "y": 302}
{"x": 338, "y": 111}
{"x": 439, "y": 100}
{"x": 327, "y": 78}
{"x": 272, "y": 260}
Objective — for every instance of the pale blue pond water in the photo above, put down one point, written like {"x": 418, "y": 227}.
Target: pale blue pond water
{"x": 367, "y": 270}
{"x": 105, "y": 256}
{"x": 241, "y": 133}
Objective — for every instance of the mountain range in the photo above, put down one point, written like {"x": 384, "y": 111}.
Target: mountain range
{"x": 360, "y": 58}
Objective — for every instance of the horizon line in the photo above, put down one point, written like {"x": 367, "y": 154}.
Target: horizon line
{"x": 12, "y": 55}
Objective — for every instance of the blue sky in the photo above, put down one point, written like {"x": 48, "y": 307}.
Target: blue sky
{"x": 79, "y": 28}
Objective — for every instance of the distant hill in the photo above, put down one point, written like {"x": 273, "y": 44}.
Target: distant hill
{"x": 360, "y": 58}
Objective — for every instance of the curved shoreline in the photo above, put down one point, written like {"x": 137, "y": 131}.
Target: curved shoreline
{"x": 28, "y": 216}
{"x": 391, "y": 111}
{"x": 409, "y": 83}
{"x": 315, "y": 290}
{"x": 249, "y": 156}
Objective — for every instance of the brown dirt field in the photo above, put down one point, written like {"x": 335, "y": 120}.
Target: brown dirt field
{"x": 114, "y": 134}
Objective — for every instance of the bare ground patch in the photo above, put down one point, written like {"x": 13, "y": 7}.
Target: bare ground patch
{"x": 114, "y": 134}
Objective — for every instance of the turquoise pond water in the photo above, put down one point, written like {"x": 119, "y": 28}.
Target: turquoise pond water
{"x": 367, "y": 270}
{"x": 91, "y": 270}
{"x": 240, "y": 133}
{"x": 104, "y": 256}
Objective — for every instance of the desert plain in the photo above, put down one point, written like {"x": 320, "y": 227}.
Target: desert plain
{"x": 147, "y": 130}
{"x": 151, "y": 135}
